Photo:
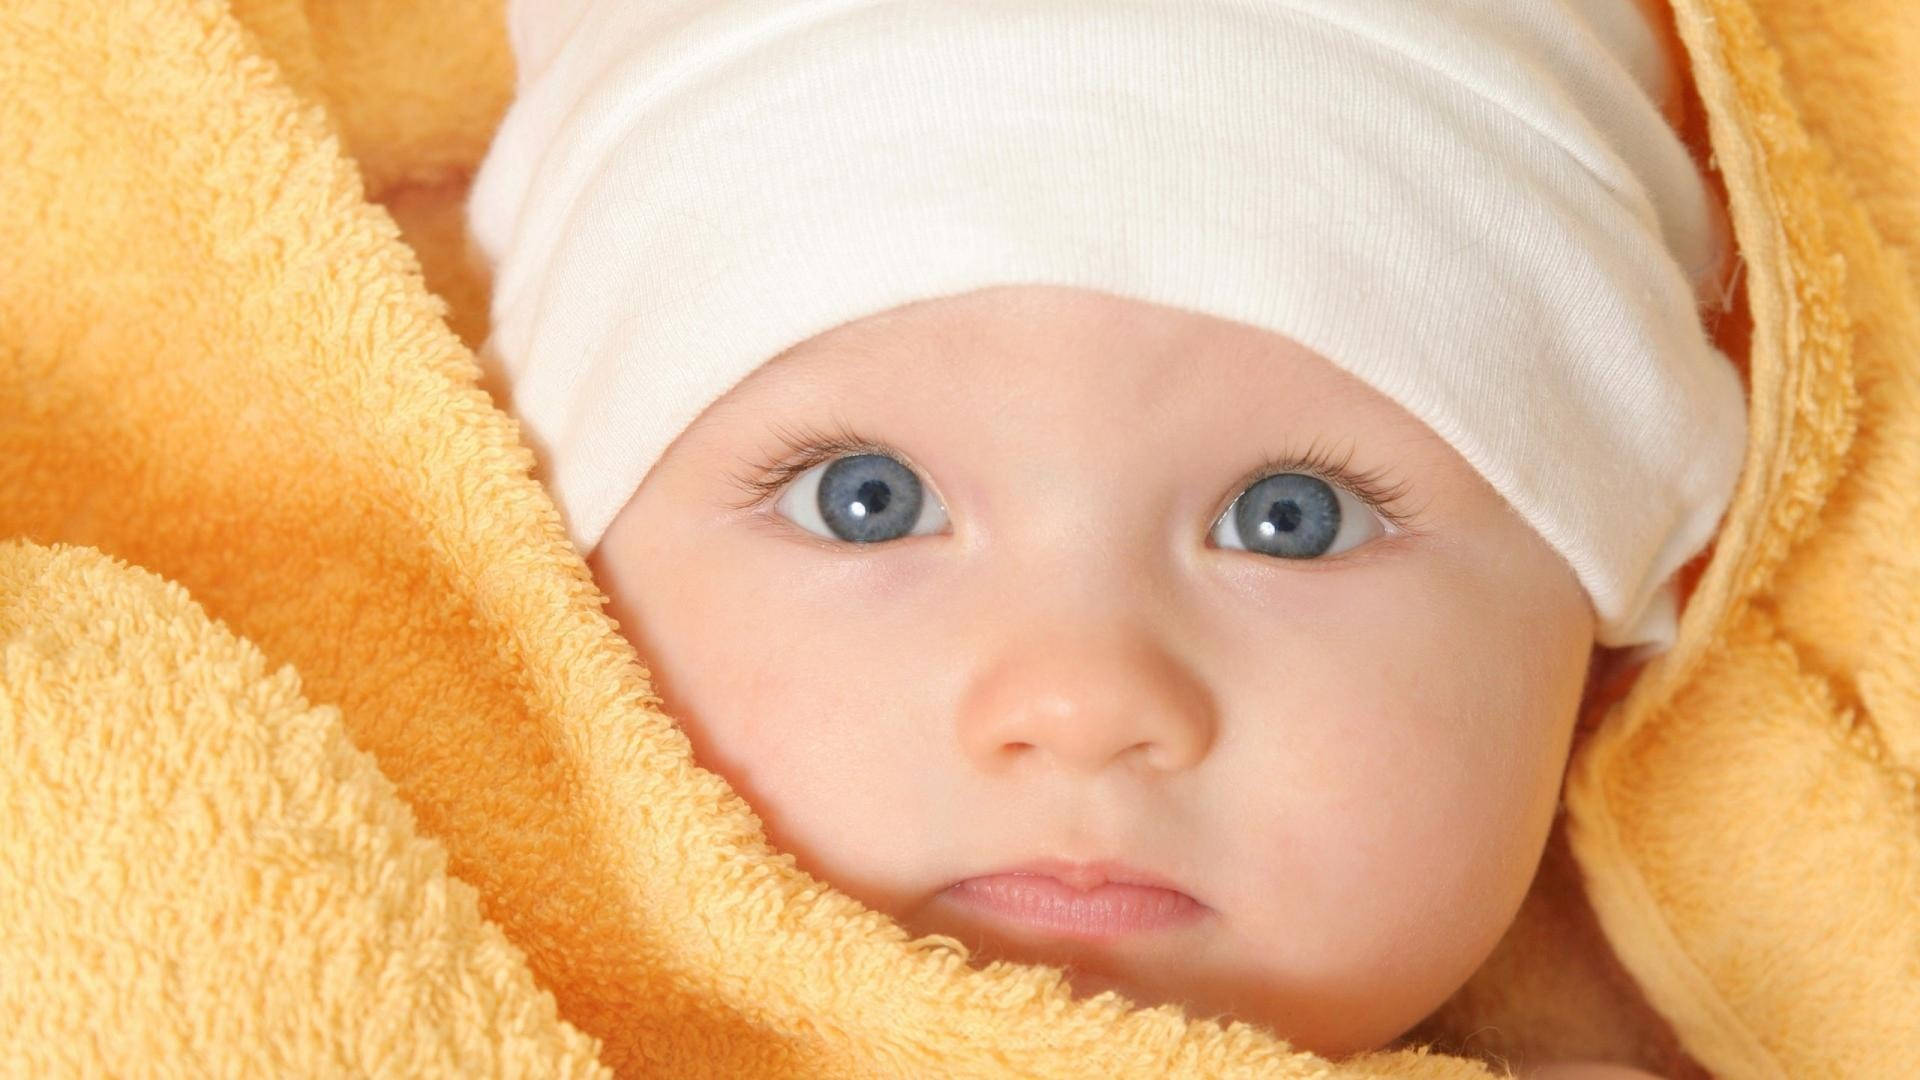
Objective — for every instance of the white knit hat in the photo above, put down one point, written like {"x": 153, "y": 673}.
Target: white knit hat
{"x": 1474, "y": 206}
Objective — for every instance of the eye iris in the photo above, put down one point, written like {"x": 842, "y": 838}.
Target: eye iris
{"x": 867, "y": 498}
{"x": 1291, "y": 515}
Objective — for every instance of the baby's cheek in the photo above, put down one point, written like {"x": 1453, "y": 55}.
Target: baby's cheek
{"x": 1390, "y": 868}
{"x": 1411, "y": 778}
{"x": 820, "y": 731}
{"x": 1394, "y": 904}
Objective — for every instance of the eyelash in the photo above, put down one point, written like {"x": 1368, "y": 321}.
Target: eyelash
{"x": 806, "y": 447}
{"x": 1375, "y": 487}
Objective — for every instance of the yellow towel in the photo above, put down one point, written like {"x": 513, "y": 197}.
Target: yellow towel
{"x": 319, "y": 756}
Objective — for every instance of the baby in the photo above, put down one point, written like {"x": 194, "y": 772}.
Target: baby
{"x": 1143, "y": 487}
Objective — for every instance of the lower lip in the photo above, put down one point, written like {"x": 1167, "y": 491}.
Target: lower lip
{"x": 1108, "y": 911}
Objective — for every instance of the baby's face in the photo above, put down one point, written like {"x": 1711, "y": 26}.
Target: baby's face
{"x": 1107, "y": 633}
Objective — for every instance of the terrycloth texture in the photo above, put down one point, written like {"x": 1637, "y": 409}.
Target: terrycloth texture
{"x": 1466, "y": 204}
{"x": 317, "y": 754}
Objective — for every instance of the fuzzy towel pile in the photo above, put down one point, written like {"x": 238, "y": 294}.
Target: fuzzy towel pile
{"x": 319, "y": 756}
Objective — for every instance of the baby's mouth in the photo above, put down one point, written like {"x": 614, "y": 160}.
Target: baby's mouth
{"x": 1078, "y": 901}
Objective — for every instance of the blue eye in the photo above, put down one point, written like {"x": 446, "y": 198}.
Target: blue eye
{"x": 1296, "y": 516}
{"x": 861, "y": 499}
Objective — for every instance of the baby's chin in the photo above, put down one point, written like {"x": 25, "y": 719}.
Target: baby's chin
{"x": 1089, "y": 983}
{"x": 1331, "y": 1028}
{"x": 1090, "y": 975}
{"x": 1140, "y": 974}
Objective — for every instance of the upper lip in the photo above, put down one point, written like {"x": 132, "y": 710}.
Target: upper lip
{"x": 1090, "y": 875}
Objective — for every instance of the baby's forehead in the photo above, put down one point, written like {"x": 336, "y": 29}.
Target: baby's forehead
{"x": 1026, "y": 325}
{"x": 1066, "y": 352}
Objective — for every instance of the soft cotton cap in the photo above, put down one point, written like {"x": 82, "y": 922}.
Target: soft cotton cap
{"x": 1477, "y": 208}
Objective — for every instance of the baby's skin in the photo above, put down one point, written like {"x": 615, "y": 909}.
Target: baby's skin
{"x": 1067, "y": 592}
{"x": 1587, "y": 1070}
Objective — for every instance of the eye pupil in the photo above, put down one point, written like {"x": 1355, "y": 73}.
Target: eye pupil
{"x": 1283, "y": 517}
{"x": 1291, "y": 515}
{"x": 873, "y": 496}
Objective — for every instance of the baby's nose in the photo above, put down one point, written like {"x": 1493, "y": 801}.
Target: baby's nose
{"x": 1088, "y": 700}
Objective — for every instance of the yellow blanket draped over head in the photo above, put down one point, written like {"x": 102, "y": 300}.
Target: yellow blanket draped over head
{"x": 318, "y": 754}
